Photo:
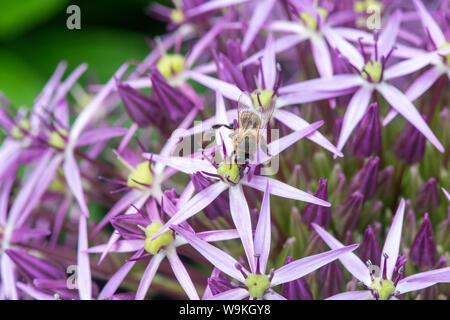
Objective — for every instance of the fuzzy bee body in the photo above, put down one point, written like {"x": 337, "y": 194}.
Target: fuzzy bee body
{"x": 252, "y": 121}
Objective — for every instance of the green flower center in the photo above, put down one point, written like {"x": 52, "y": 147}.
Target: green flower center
{"x": 17, "y": 131}
{"x": 372, "y": 69}
{"x": 229, "y": 172}
{"x": 310, "y": 21}
{"x": 447, "y": 57}
{"x": 153, "y": 246}
{"x": 362, "y": 6}
{"x": 56, "y": 138}
{"x": 141, "y": 174}
{"x": 263, "y": 96}
{"x": 385, "y": 288}
{"x": 177, "y": 16}
{"x": 170, "y": 65}
{"x": 257, "y": 285}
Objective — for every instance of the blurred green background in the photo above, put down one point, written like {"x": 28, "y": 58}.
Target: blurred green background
{"x": 34, "y": 38}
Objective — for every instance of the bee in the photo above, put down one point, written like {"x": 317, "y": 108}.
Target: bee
{"x": 251, "y": 125}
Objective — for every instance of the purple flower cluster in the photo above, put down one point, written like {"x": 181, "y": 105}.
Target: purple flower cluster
{"x": 136, "y": 188}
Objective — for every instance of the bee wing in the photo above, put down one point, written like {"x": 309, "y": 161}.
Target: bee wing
{"x": 266, "y": 113}
{"x": 245, "y": 104}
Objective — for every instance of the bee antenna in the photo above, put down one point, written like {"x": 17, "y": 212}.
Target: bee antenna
{"x": 259, "y": 100}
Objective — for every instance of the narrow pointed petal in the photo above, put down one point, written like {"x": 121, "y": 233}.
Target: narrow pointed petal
{"x": 119, "y": 246}
{"x": 389, "y": 34}
{"x": 148, "y": 275}
{"x": 351, "y": 262}
{"x": 284, "y": 190}
{"x": 344, "y": 47}
{"x": 409, "y": 66}
{"x": 423, "y": 280}
{"x": 114, "y": 282}
{"x": 184, "y": 164}
{"x": 322, "y": 57}
{"x": 392, "y": 242}
{"x": 33, "y": 292}
{"x": 309, "y": 96}
{"x": 84, "y": 268}
{"x": 228, "y": 90}
{"x": 401, "y": 103}
{"x": 294, "y": 122}
{"x": 447, "y": 194}
{"x": 241, "y": 218}
{"x": 352, "y": 295}
{"x": 218, "y": 235}
{"x": 430, "y": 24}
{"x": 276, "y": 147}
{"x": 212, "y": 5}
{"x": 233, "y": 294}
{"x": 259, "y": 16}
{"x": 269, "y": 63}
{"x": 89, "y": 111}
{"x": 335, "y": 83}
{"x": 263, "y": 231}
{"x": 182, "y": 275}
{"x": 301, "y": 267}
{"x": 354, "y": 113}
{"x": 194, "y": 206}
{"x": 220, "y": 259}
{"x": 100, "y": 134}
{"x": 73, "y": 180}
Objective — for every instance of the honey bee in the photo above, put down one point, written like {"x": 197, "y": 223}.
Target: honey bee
{"x": 252, "y": 122}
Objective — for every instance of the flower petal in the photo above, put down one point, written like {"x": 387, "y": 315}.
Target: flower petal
{"x": 322, "y": 57}
{"x": 259, "y": 15}
{"x": 294, "y": 122}
{"x": 228, "y": 90}
{"x": 430, "y": 24}
{"x": 241, "y": 218}
{"x": 73, "y": 180}
{"x": 218, "y": 235}
{"x": 182, "y": 275}
{"x": 301, "y": 267}
{"x": 352, "y": 295}
{"x": 233, "y": 294}
{"x": 218, "y": 258}
{"x": 401, "y": 103}
{"x": 119, "y": 246}
{"x": 147, "y": 276}
{"x": 284, "y": 190}
{"x": 392, "y": 242}
{"x": 354, "y": 113}
{"x": 84, "y": 268}
{"x": 263, "y": 231}
{"x": 115, "y": 280}
{"x": 423, "y": 280}
{"x": 339, "y": 82}
{"x": 387, "y": 37}
{"x": 344, "y": 47}
{"x": 194, "y": 206}
{"x": 351, "y": 262}
{"x": 269, "y": 67}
